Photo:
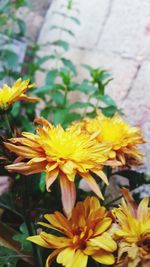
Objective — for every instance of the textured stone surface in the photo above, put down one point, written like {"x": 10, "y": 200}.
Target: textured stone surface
{"x": 91, "y": 16}
{"x": 126, "y": 31}
{"x": 137, "y": 106}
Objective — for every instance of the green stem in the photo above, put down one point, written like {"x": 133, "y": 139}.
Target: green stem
{"x": 5, "y": 116}
{"x": 27, "y": 219}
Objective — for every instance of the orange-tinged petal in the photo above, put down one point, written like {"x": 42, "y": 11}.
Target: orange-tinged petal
{"x": 43, "y": 122}
{"x": 25, "y": 169}
{"x": 57, "y": 221}
{"x": 92, "y": 184}
{"x": 52, "y": 256}
{"x": 55, "y": 241}
{"x": 102, "y": 226}
{"x": 24, "y": 97}
{"x": 142, "y": 210}
{"x": 68, "y": 194}
{"x": 50, "y": 178}
{"x": 21, "y": 150}
{"x": 102, "y": 175}
{"x": 131, "y": 203}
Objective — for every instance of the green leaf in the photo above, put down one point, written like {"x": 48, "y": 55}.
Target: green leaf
{"x": 9, "y": 57}
{"x": 16, "y": 109}
{"x": 59, "y": 116}
{"x": 75, "y": 20}
{"x": 109, "y": 111}
{"x": 43, "y": 90}
{"x": 2, "y": 75}
{"x": 4, "y": 4}
{"x": 71, "y": 116}
{"x": 68, "y": 63}
{"x": 22, "y": 238}
{"x": 42, "y": 183}
{"x": 3, "y": 19}
{"x": 88, "y": 67}
{"x": 54, "y": 27}
{"x": 86, "y": 87}
{"x": 22, "y": 27}
{"x": 51, "y": 76}
{"x": 8, "y": 257}
{"x": 41, "y": 60}
{"x": 61, "y": 43}
{"x": 26, "y": 124}
{"x": 46, "y": 112}
{"x": 65, "y": 75}
{"x": 20, "y": 3}
{"x": 58, "y": 98}
{"x": 80, "y": 105}
{"x": 107, "y": 100}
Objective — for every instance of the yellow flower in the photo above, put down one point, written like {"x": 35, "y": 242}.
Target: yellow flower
{"x": 133, "y": 231}
{"x": 9, "y": 95}
{"x": 85, "y": 234}
{"x": 60, "y": 152}
{"x": 123, "y": 138}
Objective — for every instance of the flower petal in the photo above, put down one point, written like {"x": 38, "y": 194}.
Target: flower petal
{"x": 37, "y": 239}
{"x": 50, "y": 178}
{"x": 104, "y": 257}
{"x": 104, "y": 242}
{"x": 92, "y": 184}
{"x": 68, "y": 194}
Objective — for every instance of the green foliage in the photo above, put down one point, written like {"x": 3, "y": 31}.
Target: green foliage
{"x": 22, "y": 238}
{"x": 8, "y": 257}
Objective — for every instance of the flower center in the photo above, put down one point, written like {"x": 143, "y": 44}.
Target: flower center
{"x": 80, "y": 235}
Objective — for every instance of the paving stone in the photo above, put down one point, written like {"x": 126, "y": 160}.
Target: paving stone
{"x": 137, "y": 106}
{"x": 126, "y": 31}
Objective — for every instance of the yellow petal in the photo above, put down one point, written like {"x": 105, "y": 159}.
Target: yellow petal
{"x": 51, "y": 257}
{"x": 80, "y": 259}
{"x": 105, "y": 242}
{"x": 66, "y": 257}
{"x": 102, "y": 226}
{"x": 37, "y": 239}
{"x": 104, "y": 257}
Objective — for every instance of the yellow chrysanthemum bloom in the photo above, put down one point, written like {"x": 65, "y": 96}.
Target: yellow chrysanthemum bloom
{"x": 9, "y": 95}
{"x": 133, "y": 232}
{"x": 85, "y": 234}
{"x": 60, "y": 152}
{"x": 123, "y": 138}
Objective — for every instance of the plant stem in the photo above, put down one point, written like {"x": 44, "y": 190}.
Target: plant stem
{"x": 2, "y": 205}
{"x": 5, "y": 115}
{"x": 27, "y": 219}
